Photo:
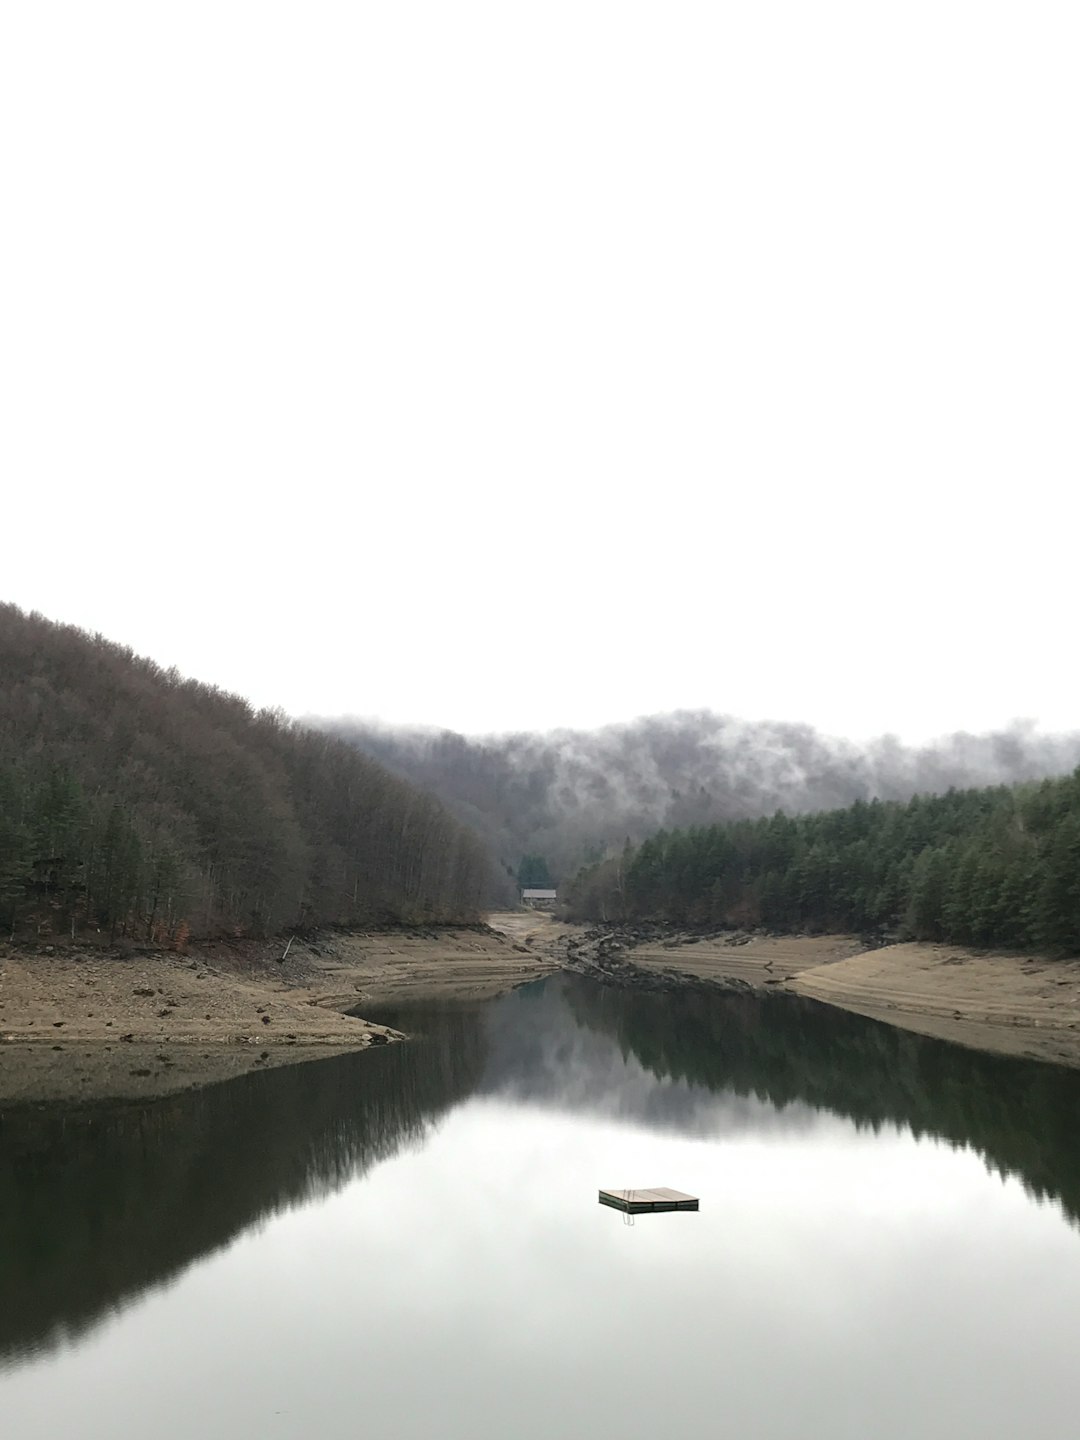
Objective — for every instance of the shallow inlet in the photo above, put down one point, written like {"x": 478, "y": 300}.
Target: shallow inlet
{"x": 406, "y": 1241}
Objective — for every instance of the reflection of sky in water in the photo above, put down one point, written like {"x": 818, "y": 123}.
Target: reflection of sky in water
{"x": 578, "y": 1068}
{"x": 835, "y": 1283}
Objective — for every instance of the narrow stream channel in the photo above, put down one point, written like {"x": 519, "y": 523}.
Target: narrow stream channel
{"x": 408, "y": 1242}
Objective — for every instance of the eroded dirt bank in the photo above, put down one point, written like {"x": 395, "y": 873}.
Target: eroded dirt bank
{"x": 1015, "y": 1005}
{"x": 82, "y": 1024}
{"x": 1010, "y": 1004}
{"x": 93, "y": 1024}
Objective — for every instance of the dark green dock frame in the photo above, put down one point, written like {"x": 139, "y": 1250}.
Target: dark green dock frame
{"x": 642, "y": 1202}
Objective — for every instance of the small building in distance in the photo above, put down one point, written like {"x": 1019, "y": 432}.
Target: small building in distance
{"x": 539, "y": 899}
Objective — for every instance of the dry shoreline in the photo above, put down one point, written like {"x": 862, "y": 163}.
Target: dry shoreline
{"x": 82, "y": 1024}
{"x": 1020, "y": 1005}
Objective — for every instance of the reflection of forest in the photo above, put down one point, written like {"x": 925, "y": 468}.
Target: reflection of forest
{"x": 1021, "y": 1116}
{"x": 98, "y": 1205}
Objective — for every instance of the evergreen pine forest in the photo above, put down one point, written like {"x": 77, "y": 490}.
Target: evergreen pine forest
{"x": 992, "y": 867}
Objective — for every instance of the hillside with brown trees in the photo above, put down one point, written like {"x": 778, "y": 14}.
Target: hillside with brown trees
{"x": 134, "y": 802}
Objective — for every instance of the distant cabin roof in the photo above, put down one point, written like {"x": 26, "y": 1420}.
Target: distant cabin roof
{"x": 538, "y": 894}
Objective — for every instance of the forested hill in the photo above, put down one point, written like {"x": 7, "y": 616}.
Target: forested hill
{"x": 989, "y": 867}
{"x": 574, "y": 796}
{"x": 141, "y": 803}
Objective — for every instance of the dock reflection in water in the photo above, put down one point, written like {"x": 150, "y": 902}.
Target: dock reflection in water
{"x": 409, "y": 1240}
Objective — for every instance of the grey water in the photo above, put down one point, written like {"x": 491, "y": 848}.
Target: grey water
{"x": 408, "y": 1242}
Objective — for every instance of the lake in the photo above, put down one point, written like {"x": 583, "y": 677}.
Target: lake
{"x": 408, "y": 1242}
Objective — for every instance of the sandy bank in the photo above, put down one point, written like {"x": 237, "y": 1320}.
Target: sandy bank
{"x": 1007, "y": 1003}
{"x": 467, "y": 964}
{"x": 81, "y": 1024}
{"x": 756, "y": 959}
{"x": 1010, "y": 1004}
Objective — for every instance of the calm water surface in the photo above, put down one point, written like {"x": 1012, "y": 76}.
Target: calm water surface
{"x": 409, "y": 1243}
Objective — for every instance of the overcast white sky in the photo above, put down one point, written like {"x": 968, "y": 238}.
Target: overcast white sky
{"x": 518, "y": 364}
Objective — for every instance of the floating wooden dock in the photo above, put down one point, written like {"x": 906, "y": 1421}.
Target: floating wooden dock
{"x": 641, "y": 1202}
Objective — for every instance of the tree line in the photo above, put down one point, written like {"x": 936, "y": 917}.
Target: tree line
{"x": 996, "y": 866}
{"x": 135, "y": 802}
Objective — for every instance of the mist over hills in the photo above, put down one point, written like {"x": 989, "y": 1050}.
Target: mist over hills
{"x": 573, "y": 796}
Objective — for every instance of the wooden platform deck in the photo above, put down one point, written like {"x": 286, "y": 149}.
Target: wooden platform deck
{"x": 641, "y": 1202}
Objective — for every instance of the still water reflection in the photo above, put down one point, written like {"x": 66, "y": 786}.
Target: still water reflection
{"x": 410, "y": 1241}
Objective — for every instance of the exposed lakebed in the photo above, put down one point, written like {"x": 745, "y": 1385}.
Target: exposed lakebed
{"x": 409, "y": 1241}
